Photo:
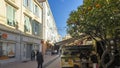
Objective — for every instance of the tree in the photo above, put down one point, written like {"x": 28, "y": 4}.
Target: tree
{"x": 98, "y": 19}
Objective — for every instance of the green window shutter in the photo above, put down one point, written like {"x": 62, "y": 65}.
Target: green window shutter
{"x": 13, "y": 23}
{"x": 38, "y": 28}
{"x": 33, "y": 27}
{"x": 27, "y": 24}
{"x": 9, "y": 13}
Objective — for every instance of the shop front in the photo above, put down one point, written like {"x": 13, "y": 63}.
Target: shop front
{"x": 9, "y": 48}
{"x": 17, "y": 47}
{"x": 29, "y": 44}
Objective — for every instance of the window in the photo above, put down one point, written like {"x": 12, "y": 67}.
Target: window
{"x": 27, "y": 24}
{"x": 27, "y": 3}
{"x": 10, "y": 15}
{"x": 48, "y": 13}
{"x": 36, "y": 10}
{"x": 7, "y": 50}
{"x": 36, "y": 28}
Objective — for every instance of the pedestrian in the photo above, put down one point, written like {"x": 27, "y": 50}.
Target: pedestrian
{"x": 39, "y": 59}
{"x": 84, "y": 59}
{"x": 94, "y": 59}
{"x": 33, "y": 55}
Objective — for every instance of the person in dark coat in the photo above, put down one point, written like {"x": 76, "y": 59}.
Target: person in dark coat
{"x": 84, "y": 58}
{"x": 39, "y": 59}
{"x": 94, "y": 59}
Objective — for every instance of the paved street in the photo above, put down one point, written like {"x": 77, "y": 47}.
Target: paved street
{"x": 55, "y": 64}
{"x": 32, "y": 64}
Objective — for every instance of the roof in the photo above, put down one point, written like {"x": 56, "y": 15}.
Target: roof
{"x": 67, "y": 41}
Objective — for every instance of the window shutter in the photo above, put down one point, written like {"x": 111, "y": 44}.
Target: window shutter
{"x": 33, "y": 26}
{"x": 10, "y": 16}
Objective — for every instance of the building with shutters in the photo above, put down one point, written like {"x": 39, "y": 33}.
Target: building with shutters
{"x": 50, "y": 31}
{"x": 25, "y": 25}
{"x": 20, "y": 29}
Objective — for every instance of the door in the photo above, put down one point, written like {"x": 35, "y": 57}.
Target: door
{"x": 0, "y": 48}
{"x": 24, "y": 51}
{"x": 29, "y": 49}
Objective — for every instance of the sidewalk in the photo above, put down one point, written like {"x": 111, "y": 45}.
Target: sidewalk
{"x": 30, "y": 64}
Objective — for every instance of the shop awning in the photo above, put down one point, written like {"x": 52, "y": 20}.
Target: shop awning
{"x": 68, "y": 41}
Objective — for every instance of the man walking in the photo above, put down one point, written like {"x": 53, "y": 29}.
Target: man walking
{"x": 39, "y": 59}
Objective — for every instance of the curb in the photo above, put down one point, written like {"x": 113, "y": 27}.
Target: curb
{"x": 48, "y": 63}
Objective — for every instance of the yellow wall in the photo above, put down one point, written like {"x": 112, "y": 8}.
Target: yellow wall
{"x": 20, "y": 12}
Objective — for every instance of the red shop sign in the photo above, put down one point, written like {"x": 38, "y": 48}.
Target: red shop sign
{"x": 4, "y": 35}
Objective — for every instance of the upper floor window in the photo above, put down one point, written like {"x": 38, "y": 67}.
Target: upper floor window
{"x": 36, "y": 10}
{"x": 27, "y": 24}
{"x": 36, "y": 28}
{"x": 11, "y": 15}
{"x": 27, "y": 3}
{"x": 48, "y": 13}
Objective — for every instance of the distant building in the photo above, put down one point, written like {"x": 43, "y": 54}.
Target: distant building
{"x": 50, "y": 32}
{"x": 66, "y": 37}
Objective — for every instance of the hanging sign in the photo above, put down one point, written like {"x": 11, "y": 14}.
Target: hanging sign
{"x": 4, "y": 36}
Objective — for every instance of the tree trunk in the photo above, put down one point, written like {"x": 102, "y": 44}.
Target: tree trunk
{"x": 111, "y": 58}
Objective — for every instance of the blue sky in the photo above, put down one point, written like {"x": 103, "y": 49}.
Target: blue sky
{"x": 61, "y": 10}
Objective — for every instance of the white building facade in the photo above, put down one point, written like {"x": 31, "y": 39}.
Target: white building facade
{"x": 50, "y": 32}
{"x": 20, "y": 29}
{"x": 49, "y": 26}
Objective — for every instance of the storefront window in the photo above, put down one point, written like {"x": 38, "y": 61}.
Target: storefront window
{"x": 7, "y": 50}
{"x": 4, "y": 49}
{"x": 11, "y": 50}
